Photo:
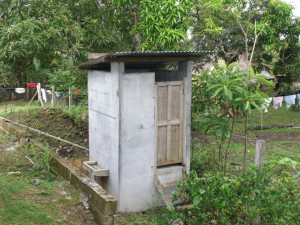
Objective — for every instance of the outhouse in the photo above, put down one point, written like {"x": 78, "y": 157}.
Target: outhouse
{"x": 139, "y": 123}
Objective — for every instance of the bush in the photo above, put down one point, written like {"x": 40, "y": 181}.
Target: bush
{"x": 79, "y": 113}
{"x": 203, "y": 158}
{"x": 240, "y": 199}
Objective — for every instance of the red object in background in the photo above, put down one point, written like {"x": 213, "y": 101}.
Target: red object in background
{"x": 77, "y": 91}
{"x": 31, "y": 85}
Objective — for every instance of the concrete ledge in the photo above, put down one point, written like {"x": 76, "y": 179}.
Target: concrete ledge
{"x": 10, "y": 128}
{"x": 170, "y": 174}
{"x": 102, "y": 219}
{"x": 103, "y": 205}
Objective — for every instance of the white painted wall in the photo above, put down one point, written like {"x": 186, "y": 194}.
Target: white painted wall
{"x": 137, "y": 142}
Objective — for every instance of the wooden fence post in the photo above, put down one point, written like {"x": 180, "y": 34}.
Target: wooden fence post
{"x": 259, "y": 154}
{"x": 27, "y": 91}
{"x": 70, "y": 97}
{"x": 53, "y": 97}
{"x": 38, "y": 88}
{"x": 259, "y": 160}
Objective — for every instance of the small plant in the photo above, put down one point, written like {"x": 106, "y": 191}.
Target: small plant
{"x": 42, "y": 160}
{"x": 46, "y": 158}
{"x": 78, "y": 113}
{"x": 203, "y": 158}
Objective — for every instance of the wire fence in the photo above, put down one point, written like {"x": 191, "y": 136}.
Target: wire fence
{"x": 14, "y": 94}
{"x": 73, "y": 97}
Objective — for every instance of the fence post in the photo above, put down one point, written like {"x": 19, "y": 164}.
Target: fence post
{"x": 53, "y": 97}
{"x": 259, "y": 154}
{"x": 27, "y": 91}
{"x": 259, "y": 161}
{"x": 38, "y": 88}
{"x": 70, "y": 97}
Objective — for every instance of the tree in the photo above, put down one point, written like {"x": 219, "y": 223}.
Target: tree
{"x": 39, "y": 38}
{"x": 238, "y": 27}
{"x": 156, "y": 25}
{"x": 42, "y": 40}
{"x": 222, "y": 93}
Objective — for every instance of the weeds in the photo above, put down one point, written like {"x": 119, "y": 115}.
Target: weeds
{"x": 41, "y": 159}
{"x": 6, "y": 139}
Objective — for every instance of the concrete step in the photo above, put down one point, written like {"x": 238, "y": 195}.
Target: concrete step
{"x": 166, "y": 191}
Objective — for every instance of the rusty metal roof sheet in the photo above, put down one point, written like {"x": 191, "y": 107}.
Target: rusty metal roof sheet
{"x": 141, "y": 59}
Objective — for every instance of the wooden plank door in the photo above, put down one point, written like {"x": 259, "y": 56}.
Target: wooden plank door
{"x": 169, "y": 122}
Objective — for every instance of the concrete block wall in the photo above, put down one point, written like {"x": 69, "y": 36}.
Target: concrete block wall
{"x": 103, "y": 205}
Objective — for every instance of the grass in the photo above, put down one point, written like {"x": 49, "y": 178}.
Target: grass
{"x": 276, "y": 150}
{"x": 153, "y": 216}
{"x": 15, "y": 210}
{"x": 52, "y": 201}
{"x": 6, "y": 139}
{"x": 280, "y": 142}
{"x": 279, "y": 116}
{"x": 8, "y": 108}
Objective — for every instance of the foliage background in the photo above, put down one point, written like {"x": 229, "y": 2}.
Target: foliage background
{"x": 44, "y": 41}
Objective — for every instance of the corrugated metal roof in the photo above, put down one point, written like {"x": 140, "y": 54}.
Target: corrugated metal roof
{"x": 141, "y": 59}
{"x": 160, "y": 54}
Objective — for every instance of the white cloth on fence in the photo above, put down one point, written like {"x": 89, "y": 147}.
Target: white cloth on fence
{"x": 58, "y": 94}
{"x": 266, "y": 104}
{"x": 20, "y": 90}
{"x": 290, "y": 100}
{"x": 277, "y": 102}
{"x": 44, "y": 96}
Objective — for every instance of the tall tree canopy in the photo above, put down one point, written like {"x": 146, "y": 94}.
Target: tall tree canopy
{"x": 44, "y": 40}
{"x": 41, "y": 40}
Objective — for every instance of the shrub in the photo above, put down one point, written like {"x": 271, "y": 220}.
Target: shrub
{"x": 270, "y": 194}
{"x": 203, "y": 158}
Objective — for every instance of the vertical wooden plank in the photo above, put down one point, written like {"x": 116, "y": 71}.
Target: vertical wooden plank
{"x": 70, "y": 97}
{"x": 259, "y": 160}
{"x": 162, "y": 101}
{"x": 27, "y": 91}
{"x": 169, "y": 150}
{"x": 38, "y": 87}
{"x": 174, "y": 149}
{"x": 53, "y": 97}
{"x": 161, "y": 145}
{"x": 181, "y": 125}
{"x": 175, "y": 102}
{"x": 259, "y": 154}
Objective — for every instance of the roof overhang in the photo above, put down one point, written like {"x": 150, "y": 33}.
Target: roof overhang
{"x": 140, "y": 59}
